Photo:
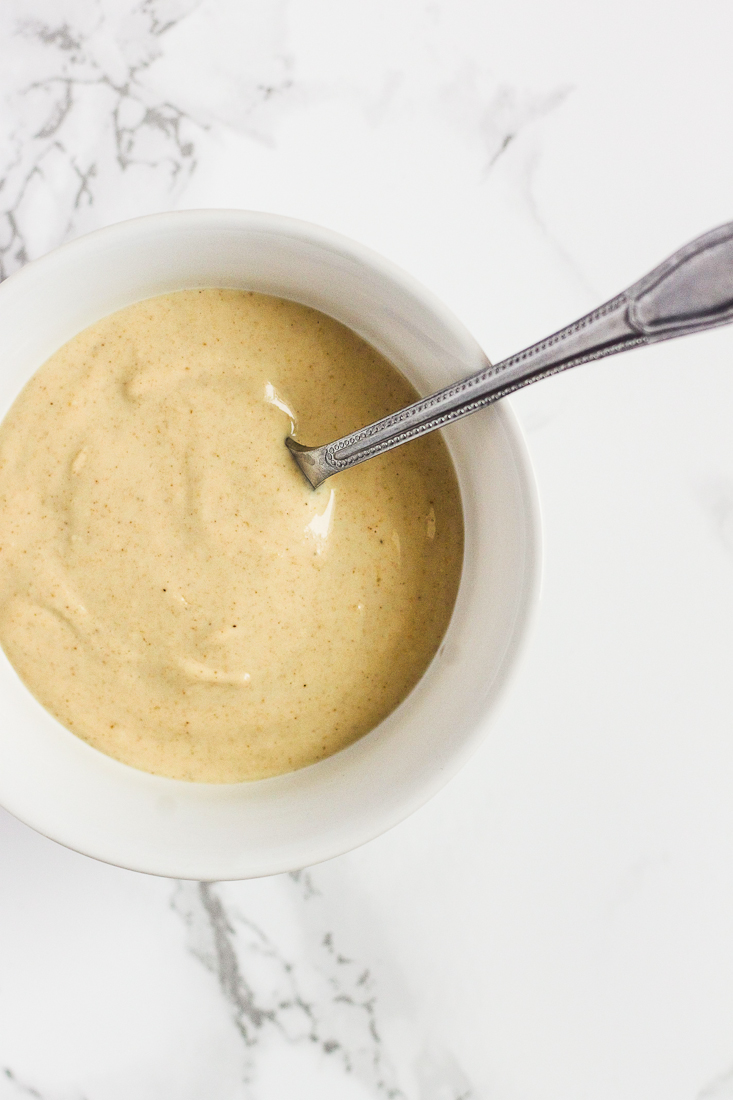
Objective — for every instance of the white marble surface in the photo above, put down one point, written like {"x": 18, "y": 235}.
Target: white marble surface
{"x": 558, "y": 923}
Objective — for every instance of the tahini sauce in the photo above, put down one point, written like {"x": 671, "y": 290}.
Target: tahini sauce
{"x": 170, "y": 587}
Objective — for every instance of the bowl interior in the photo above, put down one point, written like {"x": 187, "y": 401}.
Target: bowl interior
{"x": 59, "y": 785}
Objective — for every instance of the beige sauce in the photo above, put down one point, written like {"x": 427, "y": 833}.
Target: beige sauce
{"x": 170, "y": 587}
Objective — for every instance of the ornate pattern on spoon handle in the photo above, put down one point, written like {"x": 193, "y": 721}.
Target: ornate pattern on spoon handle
{"x": 689, "y": 292}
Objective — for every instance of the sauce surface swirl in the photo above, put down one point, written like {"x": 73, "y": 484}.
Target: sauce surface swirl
{"x": 170, "y": 587}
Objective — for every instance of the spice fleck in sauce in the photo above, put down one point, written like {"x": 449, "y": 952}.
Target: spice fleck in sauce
{"x": 171, "y": 589}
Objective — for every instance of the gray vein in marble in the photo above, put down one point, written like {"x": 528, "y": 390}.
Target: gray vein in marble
{"x": 525, "y": 178}
{"x": 13, "y": 1088}
{"x": 494, "y": 115}
{"x": 265, "y": 991}
{"x": 319, "y": 998}
{"x": 504, "y": 118}
{"x": 499, "y": 119}
{"x": 247, "y": 1013}
{"x": 304, "y": 880}
{"x": 510, "y": 113}
{"x": 84, "y": 122}
{"x": 19, "y": 1087}
{"x": 241, "y": 75}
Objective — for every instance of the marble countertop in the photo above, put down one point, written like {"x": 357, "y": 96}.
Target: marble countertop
{"x": 558, "y": 923}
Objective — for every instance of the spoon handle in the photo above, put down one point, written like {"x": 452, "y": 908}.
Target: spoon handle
{"x": 689, "y": 292}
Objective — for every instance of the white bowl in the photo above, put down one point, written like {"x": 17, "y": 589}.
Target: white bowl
{"x": 67, "y": 790}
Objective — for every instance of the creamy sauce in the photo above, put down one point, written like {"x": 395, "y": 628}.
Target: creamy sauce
{"x": 171, "y": 589}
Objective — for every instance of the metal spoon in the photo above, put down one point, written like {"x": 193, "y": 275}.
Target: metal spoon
{"x": 689, "y": 292}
